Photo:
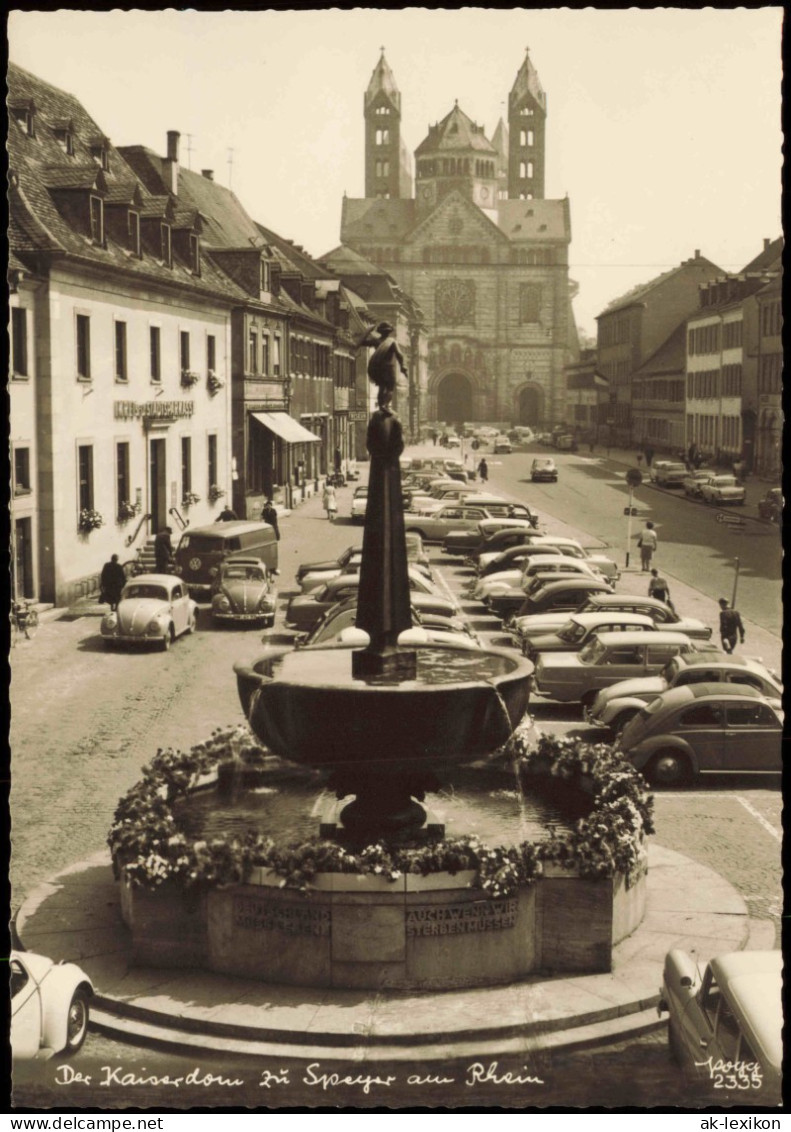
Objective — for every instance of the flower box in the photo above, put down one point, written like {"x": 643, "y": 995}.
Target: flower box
{"x": 439, "y": 882}
{"x": 188, "y": 378}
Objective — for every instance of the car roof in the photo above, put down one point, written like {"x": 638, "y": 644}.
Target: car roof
{"x": 725, "y": 660}
{"x": 660, "y": 637}
{"x": 610, "y": 599}
{"x": 505, "y": 524}
{"x": 155, "y": 579}
{"x": 629, "y": 618}
{"x": 754, "y": 984}
{"x": 242, "y": 560}
{"x": 232, "y": 527}
{"x": 711, "y": 690}
{"x": 554, "y": 540}
{"x": 576, "y": 582}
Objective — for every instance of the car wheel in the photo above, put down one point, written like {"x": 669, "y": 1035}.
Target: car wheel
{"x": 669, "y": 768}
{"x": 77, "y": 1021}
{"x": 621, "y": 720}
{"x": 167, "y": 639}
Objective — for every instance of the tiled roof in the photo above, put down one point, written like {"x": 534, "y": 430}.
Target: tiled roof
{"x": 123, "y": 192}
{"x": 345, "y": 260}
{"x": 72, "y": 177}
{"x": 533, "y": 219}
{"x": 456, "y": 132}
{"x": 38, "y": 225}
{"x": 291, "y": 254}
{"x": 638, "y": 293}
{"x": 671, "y": 356}
{"x": 771, "y": 256}
{"x": 155, "y": 207}
{"x": 368, "y": 219}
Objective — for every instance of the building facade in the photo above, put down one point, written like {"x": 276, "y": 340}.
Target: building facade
{"x": 769, "y": 436}
{"x": 477, "y": 247}
{"x": 120, "y": 352}
{"x": 658, "y": 396}
{"x": 634, "y": 326}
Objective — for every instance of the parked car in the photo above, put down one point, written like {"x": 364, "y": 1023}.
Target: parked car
{"x": 614, "y": 707}
{"x": 664, "y": 617}
{"x": 359, "y": 504}
{"x": 566, "y": 441}
{"x": 246, "y": 592}
{"x": 154, "y": 609}
{"x": 451, "y": 517}
{"x": 692, "y": 481}
{"x": 668, "y": 473}
{"x": 601, "y": 563}
{"x": 502, "y": 443}
{"x": 504, "y": 598}
{"x": 704, "y": 729}
{"x": 544, "y": 470}
{"x": 202, "y": 550}
{"x": 460, "y": 494}
{"x": 490, "y": 534}
{"x": 583, "y": 627}
{"x": 304, "y": 610}
{"x": 577, "y": 677}
{"x": 771, "y": 506}
{"x": 50, "y": 1006}
{"x": 722, "y": 489}
{"x": 338, "y": 563}
{"x": 564, "y": 596}
{"x": 340, "y": 628}
{"x": 725, "y": 1023}
{"x": 341, "y": 615}
{"x": 456, "y": 470}
{"x": 453, "y": 441}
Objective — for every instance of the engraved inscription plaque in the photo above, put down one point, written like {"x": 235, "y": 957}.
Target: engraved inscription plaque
{"x": 458, "y": 919}
{"x": 261, "y": 916}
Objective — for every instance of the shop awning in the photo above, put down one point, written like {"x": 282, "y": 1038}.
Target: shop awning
{"x": 284, "y": 426}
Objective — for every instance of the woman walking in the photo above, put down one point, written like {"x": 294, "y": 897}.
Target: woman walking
{"x": 329, "y": 501}
{"x": 647, "y": 543}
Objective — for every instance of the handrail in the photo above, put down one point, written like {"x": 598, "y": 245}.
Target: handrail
{"x": 131, "y": 538}
{"x": 183, "y": 523}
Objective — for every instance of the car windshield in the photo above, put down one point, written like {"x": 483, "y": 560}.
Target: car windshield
{"x": 724, "y": 481}
{"x": 330, "y": 627}
{"x": 247, "y": 573}
{"x": 593, "y": 652}
{"x": 360, "y": 492}
{"x": 206, "y": 544}
{"x": 572, "y": 631}
{"x": 139, "y": 589}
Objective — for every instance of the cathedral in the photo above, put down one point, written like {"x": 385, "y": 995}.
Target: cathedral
{"x": 475, "y": 243}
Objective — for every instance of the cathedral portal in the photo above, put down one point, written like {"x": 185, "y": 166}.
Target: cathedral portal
{"x": 454, "y": 399}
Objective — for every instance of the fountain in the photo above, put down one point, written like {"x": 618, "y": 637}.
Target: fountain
{"x": 388, "y": 724}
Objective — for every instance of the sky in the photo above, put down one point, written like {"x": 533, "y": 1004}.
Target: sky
{"x": 664, "y": 126}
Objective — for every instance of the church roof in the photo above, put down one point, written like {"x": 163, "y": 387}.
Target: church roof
{"x": 500, "y": 139}
{"x": 382, "y": 81}
{"x": 454, "y": 133}
{"x": 528, "y": 82}
{"x": 367, "y": 218}
{"x": 534, "y": 219}
{"x": 345, "y": 261}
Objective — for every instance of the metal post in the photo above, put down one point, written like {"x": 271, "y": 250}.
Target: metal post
{"x": 629, "y": 526}
{"x": 735, "y": 582}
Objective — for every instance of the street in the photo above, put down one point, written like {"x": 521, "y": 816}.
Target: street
{"x": 84, "y": 722}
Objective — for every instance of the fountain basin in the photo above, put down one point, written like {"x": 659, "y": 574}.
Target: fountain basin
{"x": 307, "y": 706}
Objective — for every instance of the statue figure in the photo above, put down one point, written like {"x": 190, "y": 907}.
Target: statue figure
{"x": 385, "y": 362}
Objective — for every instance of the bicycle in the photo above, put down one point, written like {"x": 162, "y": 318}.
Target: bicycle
{"x": 24, "y": 619}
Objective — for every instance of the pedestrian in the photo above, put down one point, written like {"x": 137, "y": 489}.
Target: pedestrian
{"x": 591, "y": 446}
{"x": 227, "y": 515}
{"x": 658, "y": 588}
{"x": 338, "y": 461}
{"x": 163, "y": 550}
{"x": 649, "y": 456}
{"x": 483, "y": 470}
{"x": 647, "y": 542}
{"x": 111, "y": 582}
{"x": 731, "y": 626}
{"x": 434, "y": 437}
{"x": 329, "y": 501}
{"x": 475, "y": 444}
{"x": 269, "y": 515}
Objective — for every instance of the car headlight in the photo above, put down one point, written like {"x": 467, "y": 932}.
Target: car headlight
{"x": 154, "y": 626}
{"x": 267, "y": 603}
{"x": 222, "y": 603}
{"x": 212, "y": 571}
{"x": 110, "y": 621}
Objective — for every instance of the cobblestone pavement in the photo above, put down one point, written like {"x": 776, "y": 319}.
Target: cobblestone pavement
{"x": 84, "y": 721}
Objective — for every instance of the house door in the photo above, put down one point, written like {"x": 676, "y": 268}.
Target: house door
{"x": 23, "y": 559}
{"x": 158, "y": 489}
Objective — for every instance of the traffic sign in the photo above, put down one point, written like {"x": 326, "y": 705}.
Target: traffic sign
{"x": 634, "y": 477}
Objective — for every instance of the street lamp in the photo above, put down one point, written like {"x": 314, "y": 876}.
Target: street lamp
{"x": 634, "y": 477}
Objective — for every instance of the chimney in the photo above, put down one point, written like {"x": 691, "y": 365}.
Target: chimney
{"x": 208, "y": 174}
{"x": 767, "y": 242}
{"x": 697, "y": 253}
{"x": 172, "y": 163}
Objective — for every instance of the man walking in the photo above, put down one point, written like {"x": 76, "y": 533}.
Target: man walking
{"x": 163, "y": 550}
{"x": 647, "y": 543}
{"x": 658, "y": 588}
{"x": 731, "y": 626}
{"x": 483, "y": 470}
{"x": 111, "y": 583}
{"x": 269, "y": 515}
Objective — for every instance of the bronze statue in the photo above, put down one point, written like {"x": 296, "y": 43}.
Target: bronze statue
{"x": 385, "y": 362}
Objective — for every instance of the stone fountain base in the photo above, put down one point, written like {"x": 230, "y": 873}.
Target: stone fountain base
{"x": 363, "y": 932}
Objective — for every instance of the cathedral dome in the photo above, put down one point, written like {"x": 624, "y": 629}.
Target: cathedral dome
{"x": 456, "y": 132}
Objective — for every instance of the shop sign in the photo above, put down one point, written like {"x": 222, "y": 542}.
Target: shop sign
{"x": 358, "y": 415}
{"x": 126, "y": 410}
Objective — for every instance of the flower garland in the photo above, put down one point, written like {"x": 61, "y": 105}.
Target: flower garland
{"x": 188, "y": 498}
{"x": 89, "y": 520}
{"x": 215, "y": 492}
{"x": 126, "y": 511}
{"x": 149, "y": 847}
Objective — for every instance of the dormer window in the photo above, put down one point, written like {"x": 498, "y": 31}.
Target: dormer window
{"x": 65, "y": 139}
{"x": 97, "y": 220}
{"x": 134, "y": 233}
{"x": 24, "y": 112}
{"x": 264, "y": 275}
{"x": 100, "y": 154}
{"x": 194, "y": 254}
{"x": 166, "y": 254}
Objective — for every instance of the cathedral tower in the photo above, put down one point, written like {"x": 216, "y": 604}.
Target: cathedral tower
{"x": 387, "y": 164}
{"x": 527, "y": 116}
